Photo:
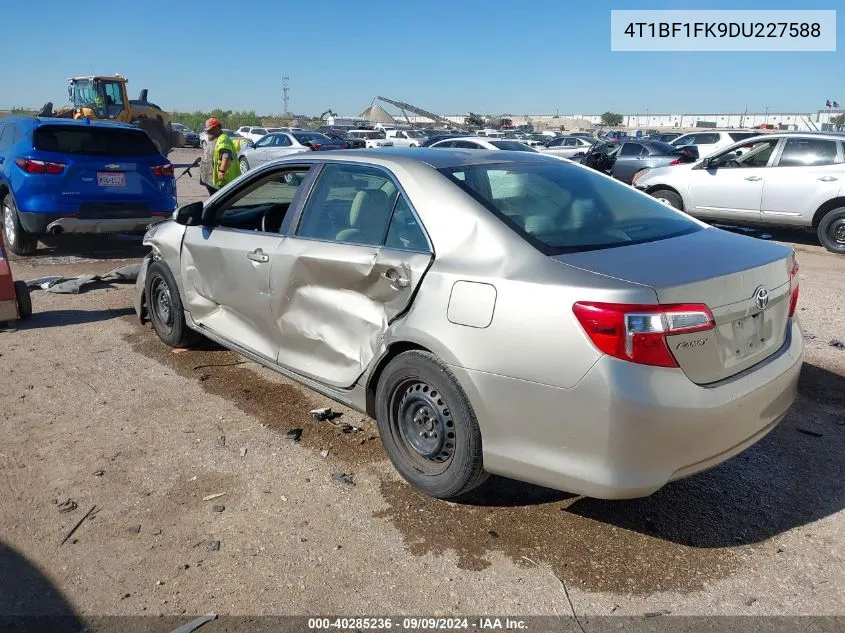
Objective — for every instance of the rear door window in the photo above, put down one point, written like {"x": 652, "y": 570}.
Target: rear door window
{"x": 93, "y": 141}
{"x": 351, "y": 204}
{"x": 259, "y": 130}
{"x": 706, "y": 139}
{"x": 629, "y": 150}
{"x": 405, "y": 232}
{"x": 6, "y": 135}
{"x": 806, "y": 152}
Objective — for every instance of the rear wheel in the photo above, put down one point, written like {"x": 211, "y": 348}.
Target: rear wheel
{"x": 23, "y": 299}
{"x": 428, "y": 427}
{"x": 17, "y": 239}
{"x": 165, "y": 308}
{"x": 669, "y": 197}
{"x": 244, "y": 164}
{"x": 831, "y": 231}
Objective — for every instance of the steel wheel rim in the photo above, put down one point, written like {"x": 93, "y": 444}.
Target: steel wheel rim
{"x": 837, "y": 231}
{"x": 9, "y": 225}
{"x": 664, "y": 201}
{"x": 162, "y": 303}
{"x": 423, "y": 422}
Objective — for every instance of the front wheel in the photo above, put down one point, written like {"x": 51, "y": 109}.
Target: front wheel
{"x": 831, "y": 231}
{"x": 244, "y": 164}
{"x": 165, "y": 307}
{"x": 669, "y": 197}
{"x": 428, "y": 427}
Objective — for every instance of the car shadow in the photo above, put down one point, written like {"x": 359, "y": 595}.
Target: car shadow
{"x": 60, "y": 318}
{"x": 776, "y": 234}
{"x": 790, "y": 478}
{"x": 105, "y": 247}
{"x": 29, "y": 601}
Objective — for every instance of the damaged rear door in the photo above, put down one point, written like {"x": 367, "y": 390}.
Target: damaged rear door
{"x": 348, "y": 269}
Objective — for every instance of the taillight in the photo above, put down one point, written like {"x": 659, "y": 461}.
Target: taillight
{"x": 793, "y": 288}
{"x": 39, "y": 166}
{"x": 636, "y": 332}
{"x": 163, "y": 171}
{"x": 677, "y": 161}
{"x": 316, "y": 147}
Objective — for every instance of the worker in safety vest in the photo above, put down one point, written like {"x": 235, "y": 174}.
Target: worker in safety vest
{"x": 219, "y": 166}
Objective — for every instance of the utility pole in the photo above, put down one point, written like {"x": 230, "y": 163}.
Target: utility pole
{"x": 285, "y": 92}
{"x": 767, "y": 116}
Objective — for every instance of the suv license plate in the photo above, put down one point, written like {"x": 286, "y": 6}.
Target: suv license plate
{"x": 108, "y": 179}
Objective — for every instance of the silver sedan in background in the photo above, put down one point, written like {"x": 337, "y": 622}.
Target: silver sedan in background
{"x": 495, "y": 312}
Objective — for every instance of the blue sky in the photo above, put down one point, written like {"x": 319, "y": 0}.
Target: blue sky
{"x": 449, "y": 57}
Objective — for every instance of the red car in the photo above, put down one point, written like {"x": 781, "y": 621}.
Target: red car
{"x": 15, "y": 302}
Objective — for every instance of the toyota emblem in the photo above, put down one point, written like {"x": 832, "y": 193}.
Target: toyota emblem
{"x": 761, "y": 297}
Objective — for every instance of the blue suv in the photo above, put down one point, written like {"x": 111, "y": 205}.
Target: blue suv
{"x": 79, "y": 176}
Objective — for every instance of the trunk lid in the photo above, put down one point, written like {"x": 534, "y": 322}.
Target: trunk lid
{"x": 744, "y": 281}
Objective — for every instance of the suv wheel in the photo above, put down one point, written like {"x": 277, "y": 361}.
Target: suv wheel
{"x": 17, "y": 239}
{"x": 831, "y": 231}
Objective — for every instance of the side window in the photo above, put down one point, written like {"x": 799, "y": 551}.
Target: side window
{"x": 259, "y": 130}
{"x": 243, "y": 130}
{"x": 6, "y": 134}
{"x": 706, "y": 139}
{"x": 684, "y": 140}
{"x": 265, "y": 141}
{"x": 571, "y": 142}
{"x": 556, "y": 142}
{"x": 281, "y": 140}
{"x": 631, "y": 149}
{"x": 751, "y": 155}
{"x": 444, "y": 144}
{"x": 351, "y": 204}
{"x": 405, "y": 232}
{"x": 466, "y": 145}
{"x": 805, "y": 152}
{"x": 262, "y": 206}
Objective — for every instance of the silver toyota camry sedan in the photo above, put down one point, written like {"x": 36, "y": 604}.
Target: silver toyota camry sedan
{"x": 495, "y": 312}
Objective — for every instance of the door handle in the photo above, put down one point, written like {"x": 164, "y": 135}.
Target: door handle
{"x": 754, "y": 178}
{"x": 258, "y": 255}
{"x": 828, "y": 178}
{"x": 394, "y": 277}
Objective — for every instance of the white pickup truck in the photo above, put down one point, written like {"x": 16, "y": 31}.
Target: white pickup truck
{"x": 405, "y": 138}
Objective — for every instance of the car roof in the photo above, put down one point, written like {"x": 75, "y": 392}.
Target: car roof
{"x": 438, "y": 158}
{"x": 38, "y": 121}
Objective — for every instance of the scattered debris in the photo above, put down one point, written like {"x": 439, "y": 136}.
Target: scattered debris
{"x": 781, "y": 549}
{"x": 344, "y": 478}
{"x": 99, "y": 473}
{"x": 159, "y": 583}
{"x": 322, "y": 414}
{"x": 302, "y": 539}
{"x": 283, "y": 498}
{"x": 180, "y": 350}
{"x": 73, "y": 285}
{"x": 809, "y": 432}
{"x": 218, "y": 508}
{"x": 212, "y": 546}
{"x": 78, "y": 523}
{"x": 240, "y": 362}
{"x": 656, "y": 614}
{"x": 213, "y": 496}
{"x": 220, "y": 442}
{"x": 68, "y": 506}
{"x": 193, "y": 625}
{"x": 243, "y": 451}
{"x": 347, "y": 428}
{"x": 134, "y": 529}
{"x": 492, "y": 534}
{"x": 324, "y": 453}
{"x": 750, "y": 602}
{"x": 294, "y": 435}
{"x": 204, "y": 377}
{"x": 836, "y": 343}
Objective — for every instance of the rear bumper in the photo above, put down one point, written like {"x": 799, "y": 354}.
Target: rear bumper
{"x": 41, "y": 223}
{"x": 626, "y": 430}
{"x": 8, "y": 310}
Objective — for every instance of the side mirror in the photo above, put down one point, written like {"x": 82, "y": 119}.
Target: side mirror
{"x": 705, "y": 164}
{"x": 189, "y": 214}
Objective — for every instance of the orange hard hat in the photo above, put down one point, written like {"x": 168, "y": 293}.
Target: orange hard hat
{"x": 211, "y": 124}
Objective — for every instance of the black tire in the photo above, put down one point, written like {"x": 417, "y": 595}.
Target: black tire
{"x": 243, "y": 163}
{"x": 24, "y": 300}
{"x": 158, "y": 134}
{"x": 669, "y": 196}
{"x": 18, "y": 240}
{"x": 164, "y": 307}
{"x": 418, "y": 392}
{"x": 831, "y": 231}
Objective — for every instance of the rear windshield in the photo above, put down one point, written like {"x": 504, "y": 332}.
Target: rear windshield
{"x": 93, "y": 141}
{"x": 562, "y": 208}
{"x": 662, "y": 148}
{"x": 512, "y": 146}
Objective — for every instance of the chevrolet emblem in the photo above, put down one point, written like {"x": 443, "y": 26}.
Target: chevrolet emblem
{"x": 112, "y": 166}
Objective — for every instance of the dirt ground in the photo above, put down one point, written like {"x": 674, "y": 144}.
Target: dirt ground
{"x": 96, "y": 410}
